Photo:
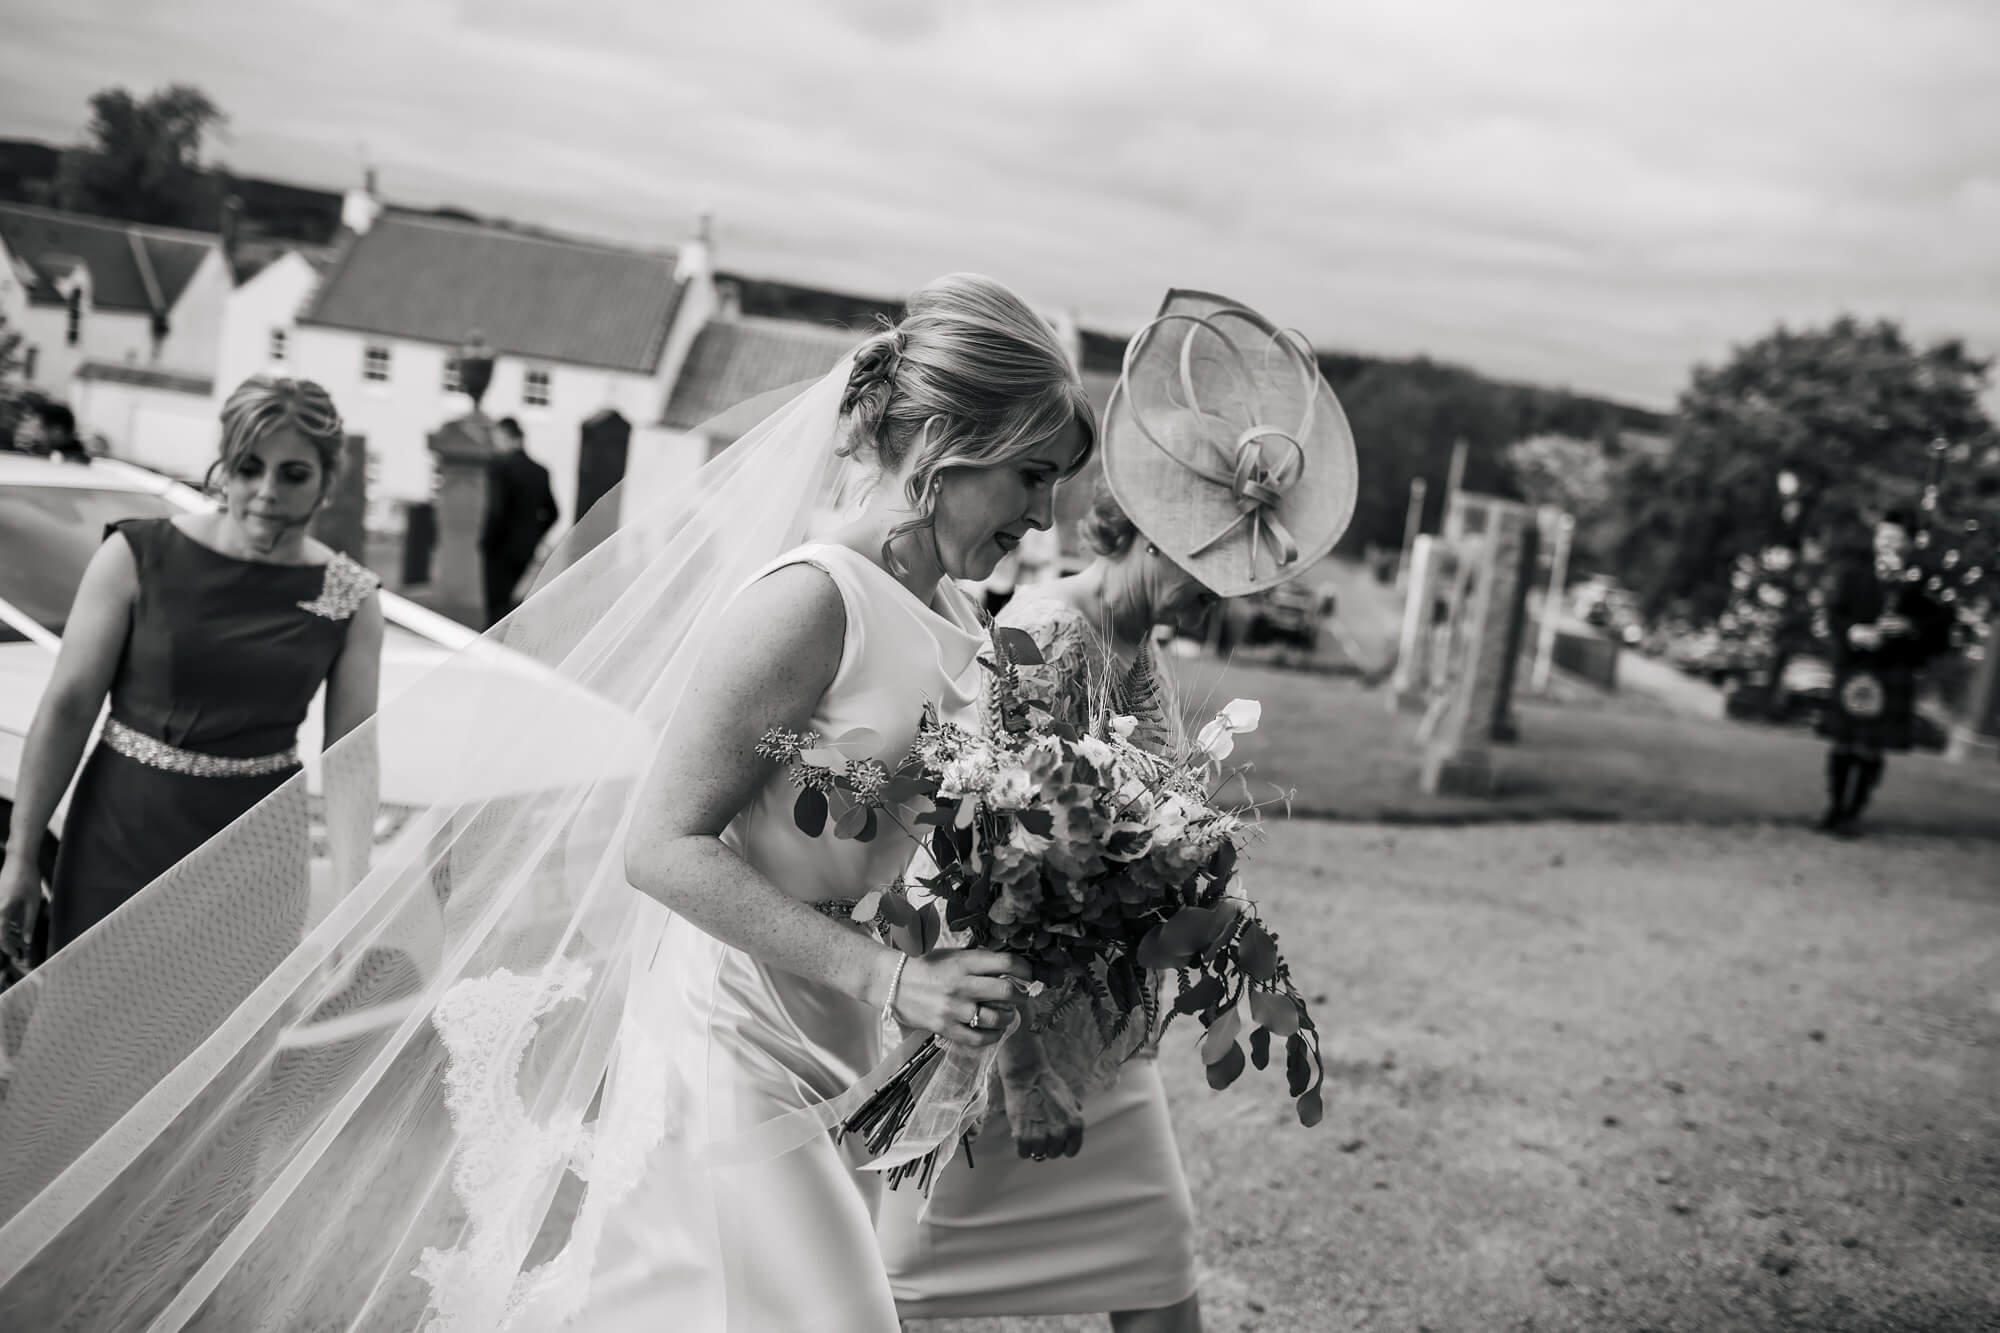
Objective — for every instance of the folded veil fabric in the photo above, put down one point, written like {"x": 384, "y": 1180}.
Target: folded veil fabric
{"x": 239, "y": 1102}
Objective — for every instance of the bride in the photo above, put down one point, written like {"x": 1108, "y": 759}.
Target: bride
{"x": 968, "y": 413}
{"x": 588, "y": 1106}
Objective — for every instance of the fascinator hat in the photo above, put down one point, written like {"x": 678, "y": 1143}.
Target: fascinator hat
{"x": 1226, "y": 448}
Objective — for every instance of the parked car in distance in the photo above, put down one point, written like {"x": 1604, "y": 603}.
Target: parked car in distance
{"x": 1291, "y": 614}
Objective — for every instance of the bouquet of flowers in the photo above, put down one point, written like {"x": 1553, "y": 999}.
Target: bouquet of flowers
{"x": 1098, "y": 853}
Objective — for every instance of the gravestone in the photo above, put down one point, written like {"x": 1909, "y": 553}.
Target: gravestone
{"x": 1475, "y": 711}
{"x": 1426, "y": 578}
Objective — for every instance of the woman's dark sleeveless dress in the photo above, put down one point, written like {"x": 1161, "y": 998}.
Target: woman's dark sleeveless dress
{"x": 221, "y": 663}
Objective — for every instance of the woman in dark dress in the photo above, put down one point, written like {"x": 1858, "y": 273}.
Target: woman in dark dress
{"x": 210, "y": 633}
{"x": 1885, "y": 629}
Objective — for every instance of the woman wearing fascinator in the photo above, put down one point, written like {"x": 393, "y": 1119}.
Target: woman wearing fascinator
{"x": 1229, "y": 468}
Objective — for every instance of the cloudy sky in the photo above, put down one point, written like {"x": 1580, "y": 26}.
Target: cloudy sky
{"x": 1595, "y": 192}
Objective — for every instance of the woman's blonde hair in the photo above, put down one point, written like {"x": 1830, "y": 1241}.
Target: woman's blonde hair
{"x": 264, "y": 403}
{"x": 971, "y": 377}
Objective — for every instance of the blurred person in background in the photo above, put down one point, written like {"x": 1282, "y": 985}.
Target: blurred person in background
{"x": 1885, "y": 628}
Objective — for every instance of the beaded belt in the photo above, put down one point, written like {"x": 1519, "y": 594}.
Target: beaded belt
{"x": 155, "y": 753}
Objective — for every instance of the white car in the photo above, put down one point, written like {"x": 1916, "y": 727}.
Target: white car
{"x": 52, "y": 520}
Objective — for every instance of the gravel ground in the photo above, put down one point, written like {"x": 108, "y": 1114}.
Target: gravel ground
{"x": 1614, "y": 1076}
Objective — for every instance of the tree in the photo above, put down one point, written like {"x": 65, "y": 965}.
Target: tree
{"x": 1560, "y": 470}
{"x": 143, "y": 160}
{"x": 1579, "y": 477}
{"x": 12, "y": 400}
{"x": 1783, "y": 453}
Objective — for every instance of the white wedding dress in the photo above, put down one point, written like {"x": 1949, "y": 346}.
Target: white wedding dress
{"x": 785, "y": 1245}
{"x": 488, "y": 1086}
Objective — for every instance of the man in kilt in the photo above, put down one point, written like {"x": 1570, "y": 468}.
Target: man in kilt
{"x": 1885, "y": 628}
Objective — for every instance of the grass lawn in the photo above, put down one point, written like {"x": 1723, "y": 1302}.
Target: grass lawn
{"x": 1347, "y": 756}
{"x": 1613, "y": 1076}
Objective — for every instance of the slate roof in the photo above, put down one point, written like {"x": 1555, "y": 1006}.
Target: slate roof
{"x": 540, "y": 297}
{"x": 132, "y": 268}
{"x": 736, "y": 359}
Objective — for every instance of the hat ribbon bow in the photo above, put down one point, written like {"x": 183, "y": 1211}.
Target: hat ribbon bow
{"x": 1258, "y": 482}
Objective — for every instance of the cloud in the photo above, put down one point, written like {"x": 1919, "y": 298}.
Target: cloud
{"x": 1576, "y": 193}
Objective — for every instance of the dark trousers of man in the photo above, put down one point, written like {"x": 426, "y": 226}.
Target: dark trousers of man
{"x": 502, "y": 570}
{"x": 1852, "y": 773}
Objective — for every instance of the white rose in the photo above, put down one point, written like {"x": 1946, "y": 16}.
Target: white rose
{"x": 1099, "y": 753}
{"x": 1170, "y": 819}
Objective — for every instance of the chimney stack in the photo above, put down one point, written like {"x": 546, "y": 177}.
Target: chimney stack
{"x": 360, "y": 208}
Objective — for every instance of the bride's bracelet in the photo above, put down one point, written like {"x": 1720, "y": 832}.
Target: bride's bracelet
{"x": 895, "y": 984}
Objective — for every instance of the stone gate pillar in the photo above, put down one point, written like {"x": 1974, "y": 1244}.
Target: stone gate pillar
{"x": 460, "y": 449}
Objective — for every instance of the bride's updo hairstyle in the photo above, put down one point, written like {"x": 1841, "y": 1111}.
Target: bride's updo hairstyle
{"x": 971, "y": 377}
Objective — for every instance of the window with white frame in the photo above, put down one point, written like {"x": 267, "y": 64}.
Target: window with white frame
{"x": 278, "y": 341}
{"x": 535, "y": 388}
{"x": 375, "y": 363}
{"x": 452, "y": 383}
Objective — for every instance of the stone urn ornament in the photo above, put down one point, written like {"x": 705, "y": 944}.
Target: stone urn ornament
{"x": 475, "y": 368}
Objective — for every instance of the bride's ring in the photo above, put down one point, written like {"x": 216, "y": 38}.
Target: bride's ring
{"x": 978, "y": 1019}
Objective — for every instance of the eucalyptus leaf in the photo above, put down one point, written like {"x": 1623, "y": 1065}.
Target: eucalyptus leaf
{"x": 809, "y": 812}
{"x": 853, "y": 822}
{"x": 1226, "y": 1070}
{"x": 1225, "y": 915}
{"x": 1186, "y": 932}
{"x": 1153, "y": 954}
{"x": 1260, "y": 1047}
{"x": 1275, "y": 1010}
{"x": 868, "y": 906}
{"x": 1258, "y": 953}
{"x": 1310, "y": 1109}
{"x": 1298, "y": 1065}
{"x": 1202, "y": 994}
{"x": 918, "y": 935}
{"x": 1018, "y": 645}
{"x": 1221, "y": 1035}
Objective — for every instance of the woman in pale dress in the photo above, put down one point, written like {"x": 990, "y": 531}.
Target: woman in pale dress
{"x": 1107, "y": 1226}
{"x": 968, "y": 413}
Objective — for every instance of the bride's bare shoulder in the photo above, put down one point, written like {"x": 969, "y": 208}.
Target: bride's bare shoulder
{"x": 793, "y": 619}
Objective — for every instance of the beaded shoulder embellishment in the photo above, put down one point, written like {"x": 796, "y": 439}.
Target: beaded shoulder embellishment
{"x": 348, "y": 584}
